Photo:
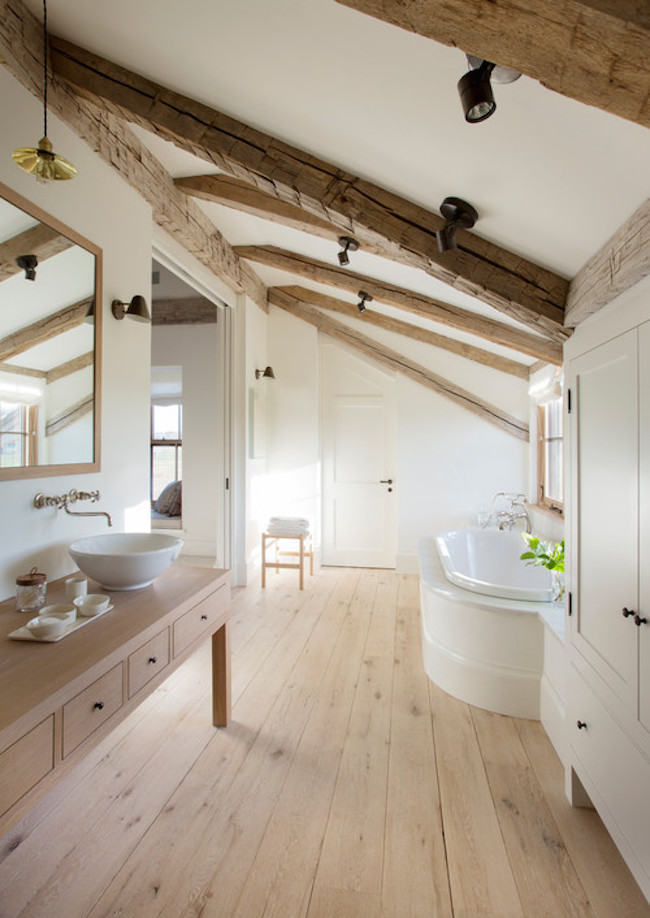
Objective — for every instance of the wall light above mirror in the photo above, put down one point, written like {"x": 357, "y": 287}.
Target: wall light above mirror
{"x": 49, "y": 352}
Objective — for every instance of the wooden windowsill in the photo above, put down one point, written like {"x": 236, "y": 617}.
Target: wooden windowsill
{"x": 553, "y": 514}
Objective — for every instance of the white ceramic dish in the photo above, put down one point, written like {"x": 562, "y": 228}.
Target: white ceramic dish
{"x": 92, "y": 604}
{"x": 65, "y": 611}
{"x": 25, "y": 634}
{"x": 47, "y": 626}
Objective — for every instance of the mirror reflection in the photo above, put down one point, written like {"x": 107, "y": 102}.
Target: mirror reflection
{"x": 48, "y": 334}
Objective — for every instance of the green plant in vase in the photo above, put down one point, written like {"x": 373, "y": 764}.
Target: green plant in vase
{"x": 549, "y": 555}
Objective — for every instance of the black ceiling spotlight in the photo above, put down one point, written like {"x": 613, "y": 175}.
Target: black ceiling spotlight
{"x": 475, "y": 88}
{"x": 348, "y": 244}
{"x": 28, "y": 263}
{"x": 457, "y": 213}
{"x": 363, "y": 299}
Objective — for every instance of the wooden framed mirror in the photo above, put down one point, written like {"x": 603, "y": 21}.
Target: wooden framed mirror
{"x": 50, "y": 344}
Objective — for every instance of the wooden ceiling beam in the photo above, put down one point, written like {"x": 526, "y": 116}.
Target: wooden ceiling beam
{"x": 375, "y": 216}
{"x": 191, "y": 310}
{"x": 70, "y": 367}
{"x": 416, "y": 332}
{"x": 594, "y": 51}
{"x": 233, "y": 193}
{"x": 21, "y": 52}
{"x": 40, "y": 240}
{"x": 49, "y": 327}
{"x": 396, "y": 362}
{"x": 620, "y": 264}
{"x": 400, "y": 298}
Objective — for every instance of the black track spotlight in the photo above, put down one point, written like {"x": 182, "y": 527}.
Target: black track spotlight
{"x": 28, "y": 263}
{"x": 348, "y": 244}
{"x": 363, "y": 299}
{"x": 457, "y": 213}
{"x": 476, "y": 96}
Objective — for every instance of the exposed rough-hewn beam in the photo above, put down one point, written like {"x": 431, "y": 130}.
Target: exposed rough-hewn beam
{"x": 70, "y": 366}
{"x": 395, "y": 361}
{"x": 622, "y": 262}
{"x": 416, "y": 332}
{"x": 21, "y": 51}
{"x": 69, "y": 415}
{"x": 55, "y": 324}
{"x": 595, "y": 51}
{"x": 194, "y": 310}
{"x": 40, "y": 240}
{"x": 401, "y": 229}
{"x": 417, "y": 303}
{"x": 232, "y": 192}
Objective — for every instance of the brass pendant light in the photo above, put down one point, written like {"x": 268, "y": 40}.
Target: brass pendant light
{"x": 42, "y": 161}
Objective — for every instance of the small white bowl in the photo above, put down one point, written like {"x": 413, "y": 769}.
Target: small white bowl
{"x": 92, "y": 604}
{"x": 67, "y": 612}
{"x": 47, "y": 626}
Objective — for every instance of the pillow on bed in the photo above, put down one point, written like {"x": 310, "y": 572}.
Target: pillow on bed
{"x": 176, "y": 505}
{"x": 166, "y": 497}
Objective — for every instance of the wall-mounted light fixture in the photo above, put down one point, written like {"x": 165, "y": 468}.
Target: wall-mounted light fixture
{"x": 42, "y": 161}
{"x": 28, "y": 263}
{"x": 457, "y": 213}
{"x": 475, "y": 88}
{"x": 137, "y": 309}
{"x": 363, "y": 299}
{"x": 267, "y": 373}
{"x": 348, "y": 244}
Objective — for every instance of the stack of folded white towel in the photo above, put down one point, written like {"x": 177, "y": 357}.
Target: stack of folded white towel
{"x": 288, "y": 526}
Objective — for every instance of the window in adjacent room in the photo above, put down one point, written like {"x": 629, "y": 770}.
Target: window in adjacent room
{"x": 166, "y": 446}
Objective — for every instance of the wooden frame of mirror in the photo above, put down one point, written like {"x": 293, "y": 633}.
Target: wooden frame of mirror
{"x": 71, "y": 238}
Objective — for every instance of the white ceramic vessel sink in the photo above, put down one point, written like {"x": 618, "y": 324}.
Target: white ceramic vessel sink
{"x": 125, "y": 560}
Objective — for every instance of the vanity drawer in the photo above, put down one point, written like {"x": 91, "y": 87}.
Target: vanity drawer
{"x": 147, "y": 661}
{"x": 200, "y": 620}
{"x": 92, "y": 708}
{"x": 24, "y": 763}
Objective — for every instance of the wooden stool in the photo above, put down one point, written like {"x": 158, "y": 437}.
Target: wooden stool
{"x": 306, "y": 550}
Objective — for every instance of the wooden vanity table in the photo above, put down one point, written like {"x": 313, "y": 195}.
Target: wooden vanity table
{"x": 59, "y": 699}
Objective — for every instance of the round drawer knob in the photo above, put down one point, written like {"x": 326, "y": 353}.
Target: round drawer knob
{"x": 153, "y": 659}
{"x": 204, "y": 618}
{"x": 627, "y": 612}
{"x": 638, "y": 621}
{"x": 581, "y": 725}
{"x": 98, "y": 705}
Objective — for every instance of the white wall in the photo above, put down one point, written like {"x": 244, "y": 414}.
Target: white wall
{"x": 104, "y": 209}
{"x": 450, "y": 462}
{"x": 194, "y": 348}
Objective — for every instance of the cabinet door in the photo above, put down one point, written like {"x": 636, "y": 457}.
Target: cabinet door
{"x": 604, "y": 385}
{"x": 644, "y": 525}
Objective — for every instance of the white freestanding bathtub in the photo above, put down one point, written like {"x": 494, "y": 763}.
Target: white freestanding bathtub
{"x": 483, "y": 612}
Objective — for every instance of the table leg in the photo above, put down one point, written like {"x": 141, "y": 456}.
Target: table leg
{"x": 263, "y": 559}
{"x": 221, "y": 681}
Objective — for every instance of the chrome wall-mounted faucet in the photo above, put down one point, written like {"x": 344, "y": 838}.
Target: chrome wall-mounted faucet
{"x": 64, "y": 500}
{"x": 516, "y": 510}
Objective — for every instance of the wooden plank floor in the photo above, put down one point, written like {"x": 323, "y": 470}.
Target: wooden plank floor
{"x": 347, "y": 786}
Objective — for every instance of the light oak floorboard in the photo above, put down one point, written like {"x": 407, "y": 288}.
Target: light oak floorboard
{"x": 346, "y": 785}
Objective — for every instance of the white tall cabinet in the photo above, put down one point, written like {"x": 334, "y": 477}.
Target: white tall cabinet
{"x": 608, "y": 704}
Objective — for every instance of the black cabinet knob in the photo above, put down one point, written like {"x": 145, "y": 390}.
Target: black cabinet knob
{"x": 153, "y": 659}
{"x": 98, "y": 705}
{"x": 638, "y": 621}
{"x": 204, "y": 618}
{"x": 581, "y": 725}
{"x": 627, "y": 612}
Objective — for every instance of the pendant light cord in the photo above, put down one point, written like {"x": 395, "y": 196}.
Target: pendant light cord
{"x": 44, "y": 68}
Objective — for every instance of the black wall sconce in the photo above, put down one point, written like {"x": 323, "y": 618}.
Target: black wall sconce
{"x": 137, "y": 309}
{"x": 267, "y": 373}
{"x": 457, "y": 213}
{"x": 363, "y": 299}
{"x": 475, "y": 88}
{"x": 28, "y": 263}
{"x": 348, "y": 244}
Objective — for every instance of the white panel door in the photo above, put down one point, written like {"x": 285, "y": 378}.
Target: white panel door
{"x": 605, "y": 478}
{"x": 358, "y": 451}
{"x": 644, "y": 525}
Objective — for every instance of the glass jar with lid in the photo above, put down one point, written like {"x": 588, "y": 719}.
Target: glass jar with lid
{"x": 30, "y": 591}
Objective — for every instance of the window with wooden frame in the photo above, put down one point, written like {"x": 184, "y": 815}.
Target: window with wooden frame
{"x": 18, "y": 435}
{"x": 550, "y": 454}
{"x": 166, "y": 446}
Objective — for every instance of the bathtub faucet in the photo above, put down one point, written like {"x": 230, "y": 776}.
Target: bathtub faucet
{"x": 516, "y": 511}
